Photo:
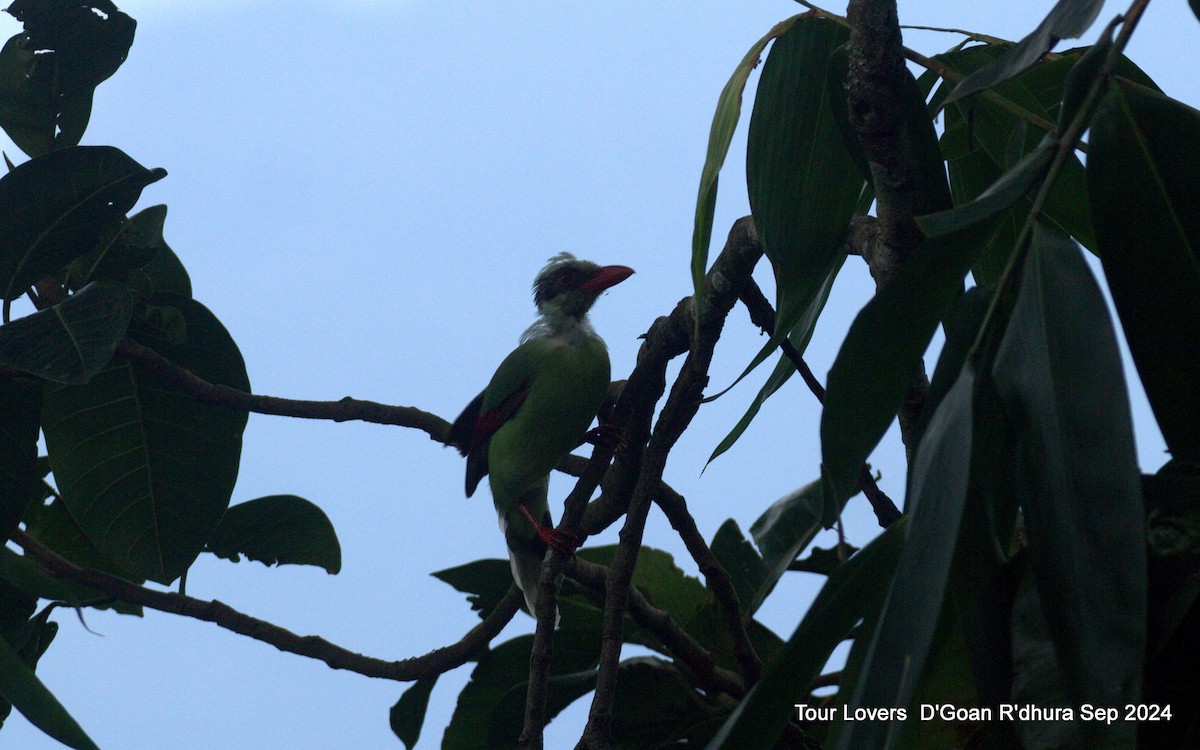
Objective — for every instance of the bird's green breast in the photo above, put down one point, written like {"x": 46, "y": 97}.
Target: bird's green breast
{"x": 571, "y": 379}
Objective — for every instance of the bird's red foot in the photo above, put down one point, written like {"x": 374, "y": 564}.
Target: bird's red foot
{"x": 563, "y": 542}
{"x": 606, "y": 435}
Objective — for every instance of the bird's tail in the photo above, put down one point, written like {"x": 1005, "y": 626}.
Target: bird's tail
{"x": 526, "y": 560}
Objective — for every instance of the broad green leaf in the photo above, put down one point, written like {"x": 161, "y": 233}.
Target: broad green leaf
{"x": 1146, "y": 180}
{"x": 277, "y": 530}
{"x": 880, "y": 354}
{"x": 485, "y": 582}
{"x": 20, "y": 422}
{"x": 1067, "y": 20}
{"x": 21, "y": 687}
{"x": 962, "y": 328}
{"x": 784, "y": 530}
{"x": 1004, "y": 192}
{"x": 508, "y": 717}
{"x": 851, "y": 590}
{"x": 742, "y": 563}
{"x": 803, "y": 185}
{"x": 55, "y": 207}
{"x": 145, "y": 470}
{"x": 654, "y": 705}
{"x": 408, "y": 715}
{"x": 73, "y": 340}
{"x": 729, "y": 110}
{"x": 904, "y": 633}
{"x": 1058, "y": 371}
{"x": 52, "y": 525}
{"x": 480, "y": 717}
{"x": 78, "y": 45}
{"x": 132, "y": 245}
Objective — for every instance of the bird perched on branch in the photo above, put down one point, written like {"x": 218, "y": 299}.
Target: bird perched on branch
{"x": 537, "y": 408}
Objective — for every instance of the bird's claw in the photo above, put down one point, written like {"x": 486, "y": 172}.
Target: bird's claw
{"x": 559, "y": 540}
{"x": 606, "y": 435}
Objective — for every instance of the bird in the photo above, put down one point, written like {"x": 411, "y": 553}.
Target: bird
{"x": 536, "y": 409}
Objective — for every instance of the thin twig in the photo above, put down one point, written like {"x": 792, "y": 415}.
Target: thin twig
{"x": 431, "y": 664}
{"x": 763, "y": 316}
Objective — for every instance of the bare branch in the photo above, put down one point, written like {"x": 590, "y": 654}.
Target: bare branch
{"x": 763, "y": 316}
{"x": 431, "y": 664}
{"x": 668, "y": 338}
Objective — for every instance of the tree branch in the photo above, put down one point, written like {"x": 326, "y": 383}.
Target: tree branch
{"x": 873, "y": 84}
{"x": 667, "y": 339}
{"x": 763, "y": 316}
{"x": 431, "y": 664}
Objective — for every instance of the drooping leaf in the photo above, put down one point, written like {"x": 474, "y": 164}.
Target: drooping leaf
{"x": 1003, "y": 193}
{"x": 784, "y": 530}
{"x": 145, "y": 470}
{"x": 1067, "y": 20}
{"x": 729, "y": 110}
{"x": 49, "y": 71}
{"x": 803, "y": 185}
{"x": 21, "y": 687}
{"x": 1058, "y": 371}
{"x": 277, "y": 530}
{"x": 1143, "y": 171}
{"x": 133, "y": 244}
{"x": 880, "y": 354}
{"x": 408, "y": 715}
{"x": 904, "y": 634}
{"x": 55, "y": 207}
{"x": 73, "y": 340}
{"x": 962, "y": 328}
{"x": 20, "y": 422}
{"x": 741, "y": 562}
{"x": 854, "y": 588}
{"x": 485, "y": 582}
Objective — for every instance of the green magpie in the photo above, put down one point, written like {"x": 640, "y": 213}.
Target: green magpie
{"x": 537, "y": 408}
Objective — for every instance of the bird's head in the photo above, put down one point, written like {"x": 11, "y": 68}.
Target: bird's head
{"x": 568, "y": 286}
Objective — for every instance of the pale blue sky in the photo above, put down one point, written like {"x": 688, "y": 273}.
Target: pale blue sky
{"x": 363, "y": 195}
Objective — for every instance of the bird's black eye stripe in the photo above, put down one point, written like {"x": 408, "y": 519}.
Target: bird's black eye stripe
{"x": 566, "y": 277}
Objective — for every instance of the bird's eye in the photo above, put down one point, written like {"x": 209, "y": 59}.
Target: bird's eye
{"x": 566, "y": 277}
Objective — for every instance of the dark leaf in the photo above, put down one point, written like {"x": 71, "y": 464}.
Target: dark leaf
{"x": 73, "y": 340}
{"x": 21, "y": 687}
{"x": 823, "y": 561}
{"x": 1058, "y": 371}
{"x": 654, "y": 704}
{"x": 131, "y": 245}
{"x": 1004, "y": 192}
{"x": 1067, "y": 20}
{"x": 803, "y": 185}
{"x": 852, "y": 590}
{"x": 20, "y": 423}
{"x": 55, "y": 207}
{"x": 1144, "y": 173}
{"x": 408, "y": 715}
{"x": 880, "y": 354}
{"x": 78, "y": 45}
{"x": 904, "y": 634}
{"x": 725, "y": 119}
{"x": 485, "y": 582}
{"x": 278, "y": 530}
{"x": 146, "y": 470}
{"x": 742, "y": 563}
{"x": 508, "y": 717}
{"x": 785, "y": 529}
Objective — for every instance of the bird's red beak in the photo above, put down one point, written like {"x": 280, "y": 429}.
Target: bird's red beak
{"x": 604, "y": 277}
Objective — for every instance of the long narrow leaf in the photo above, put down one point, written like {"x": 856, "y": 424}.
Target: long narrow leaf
{"x": 21, "y": 687}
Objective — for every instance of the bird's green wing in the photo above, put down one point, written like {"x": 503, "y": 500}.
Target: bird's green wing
{"x": 471, "y": 433}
